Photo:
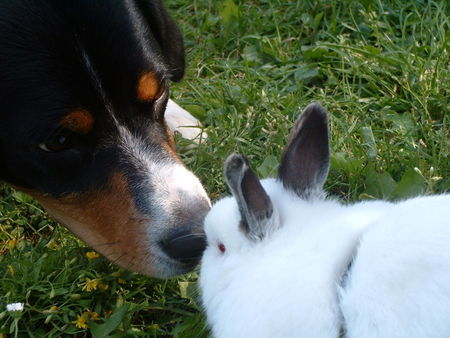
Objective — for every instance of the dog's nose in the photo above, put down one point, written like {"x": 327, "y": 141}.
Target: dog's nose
{"x": 186, "y": 248}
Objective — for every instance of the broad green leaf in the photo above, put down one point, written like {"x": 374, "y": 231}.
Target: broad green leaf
{"x": 380, "y": 185}
{"x": 102, "y": 330}
{"x": 193, "y": 326}
{"x": 369, "y": 141}
{"x": 255, "y": 54}
{"x": 305, "y": 18}
{"x": 229, "y": 15}
{"x": 21, "y": 197}
{"x": 183, "y": 286}
{"x": 250, "y": 53}
{"x": 305, "y": 73}
{"x": 314, "y": 52}
{"x": 96, "y": 330}
{"x": 197, "y": 111}
{"x": 411, "y": 184}
{"x": 340, "y": 161}
{"x": 403, "y": 123}
{"x": 318, "y": 20}
{"x": 372, "y": 50}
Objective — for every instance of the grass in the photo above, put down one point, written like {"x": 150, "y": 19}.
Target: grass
{"x": 380, "y": 68}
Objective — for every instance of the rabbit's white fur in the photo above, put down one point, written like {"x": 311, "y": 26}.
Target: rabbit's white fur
{"x": 290, "y": 283}
{"x": 399, "y": 284}
{"x": 299, "y": 265}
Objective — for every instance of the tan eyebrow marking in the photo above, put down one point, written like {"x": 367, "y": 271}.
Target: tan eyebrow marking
{"x": 80, "y": 121}
{"x": 149, "y": 87}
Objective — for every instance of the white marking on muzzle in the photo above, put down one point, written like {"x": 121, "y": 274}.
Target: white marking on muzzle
{"x": 172, "y": 185}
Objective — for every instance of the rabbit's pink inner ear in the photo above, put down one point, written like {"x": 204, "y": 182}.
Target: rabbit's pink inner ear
{"x": 305, "y": 159}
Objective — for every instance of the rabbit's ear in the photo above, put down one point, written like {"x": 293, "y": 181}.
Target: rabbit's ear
{"x": 305, "y": 159}
{"x": 256, "y": 209}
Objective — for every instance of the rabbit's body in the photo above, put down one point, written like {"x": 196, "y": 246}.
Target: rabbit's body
{"x": 282, "y": 261}
{"x": 399, "y": 283}
{"x": 296, "y": 271}
{"x": 299, "y": 270}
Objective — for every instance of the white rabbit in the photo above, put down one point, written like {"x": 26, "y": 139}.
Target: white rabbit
{"x": 283, "y": 261}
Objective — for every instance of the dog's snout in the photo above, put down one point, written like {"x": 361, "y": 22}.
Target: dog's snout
{"x": 186, "y": 248}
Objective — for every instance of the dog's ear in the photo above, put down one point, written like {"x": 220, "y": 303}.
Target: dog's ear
{"x": 167, "y": 34}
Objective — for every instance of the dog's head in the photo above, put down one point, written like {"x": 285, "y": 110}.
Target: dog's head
{"x": 83, "y": 90}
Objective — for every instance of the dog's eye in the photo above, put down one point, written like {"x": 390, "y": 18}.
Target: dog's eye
{"x": 59, "y": 141}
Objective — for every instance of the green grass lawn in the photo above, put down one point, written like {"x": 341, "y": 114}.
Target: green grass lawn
{"x": 381, "y": 69}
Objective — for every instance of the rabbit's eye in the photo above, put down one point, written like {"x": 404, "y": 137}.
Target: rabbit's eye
{"x": 221, "y": 247}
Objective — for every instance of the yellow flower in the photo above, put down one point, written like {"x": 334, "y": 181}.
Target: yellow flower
{"x": 103, "y": 286}
{"x": 90, "y": 284}
{"x": 81, "y": 321}
{"x": 53, "y": 308}
{"x": 12, "y": 243}
{"x": 11, "y": 269}
{"x": 92, "y": 255}
{"x": 92, "y": 315}
{"x": 215, "y": 195}
{"x": 53, "y": 245}
{"x": 121, "y": 281}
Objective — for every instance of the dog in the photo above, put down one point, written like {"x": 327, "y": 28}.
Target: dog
{"x": 84, "y": 87}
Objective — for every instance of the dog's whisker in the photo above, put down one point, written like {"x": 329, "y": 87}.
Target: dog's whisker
{"x": 96, "y": 245}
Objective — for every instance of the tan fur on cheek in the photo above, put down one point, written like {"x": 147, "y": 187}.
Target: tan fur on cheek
{"x": 108, "y": 221}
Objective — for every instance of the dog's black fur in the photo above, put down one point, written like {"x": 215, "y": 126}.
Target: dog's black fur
{"x": 89, "y": 56}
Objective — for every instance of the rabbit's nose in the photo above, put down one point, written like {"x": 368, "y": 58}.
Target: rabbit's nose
{"x": 186, "y": 248}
